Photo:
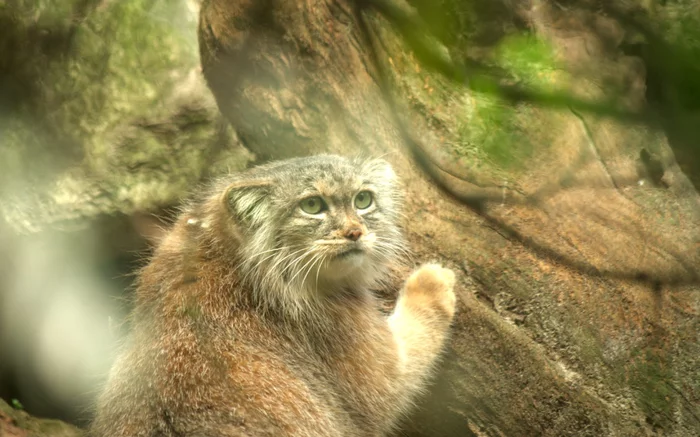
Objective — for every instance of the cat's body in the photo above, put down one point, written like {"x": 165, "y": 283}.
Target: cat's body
{"x": 254, "y": 317}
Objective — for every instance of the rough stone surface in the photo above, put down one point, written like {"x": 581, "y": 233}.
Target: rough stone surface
{"x": 17, "y": 423}
{"x": 578, "y": 310}
{"x": 103, "y": 110}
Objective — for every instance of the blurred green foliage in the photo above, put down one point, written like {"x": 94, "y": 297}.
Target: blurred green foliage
{"x": 492, "y": 124}
{"x": 507, "y": 67}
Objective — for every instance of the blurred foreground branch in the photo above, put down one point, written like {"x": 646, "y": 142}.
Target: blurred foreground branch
{"x": 434, "y": 55}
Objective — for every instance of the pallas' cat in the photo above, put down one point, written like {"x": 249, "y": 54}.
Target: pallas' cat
{"x": 255, "y": 317}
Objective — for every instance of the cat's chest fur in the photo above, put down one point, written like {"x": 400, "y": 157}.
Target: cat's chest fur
{"x": 353, "y": 352}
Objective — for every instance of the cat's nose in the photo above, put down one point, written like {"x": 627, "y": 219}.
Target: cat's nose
{"x": 353, "y": 233}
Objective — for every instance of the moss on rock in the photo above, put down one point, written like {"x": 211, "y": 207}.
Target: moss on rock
{"x": 104, "y": 111}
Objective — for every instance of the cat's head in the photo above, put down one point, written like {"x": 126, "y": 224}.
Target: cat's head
{"x": 316, "y": 225}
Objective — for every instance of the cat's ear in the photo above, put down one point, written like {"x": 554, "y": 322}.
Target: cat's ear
{"x": 249, "y": 201}
{"x": 386, "y": 183}
{"x": 380, "y": 170}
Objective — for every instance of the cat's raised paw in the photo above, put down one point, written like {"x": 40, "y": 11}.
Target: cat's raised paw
{"x": 434, "y": 283}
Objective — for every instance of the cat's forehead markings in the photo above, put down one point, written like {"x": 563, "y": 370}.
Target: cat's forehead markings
{"x": 326, "y": 188}
{"x": 330, "y": 184}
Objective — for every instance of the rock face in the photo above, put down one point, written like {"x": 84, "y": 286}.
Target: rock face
{"x": 103, "y": 110}
{"x": 579, "y": 246}
{"x": 580, "y": 294}
{"x": 16, "y": 423}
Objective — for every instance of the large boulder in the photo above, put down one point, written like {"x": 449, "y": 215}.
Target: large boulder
{"x": 579, "y": 293}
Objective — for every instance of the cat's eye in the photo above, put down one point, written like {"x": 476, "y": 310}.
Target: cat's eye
{"x": 363, "y": 200}
{"x": 313, "y": 205}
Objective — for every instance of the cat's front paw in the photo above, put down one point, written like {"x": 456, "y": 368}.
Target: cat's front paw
{"x": 432, "y": 284}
